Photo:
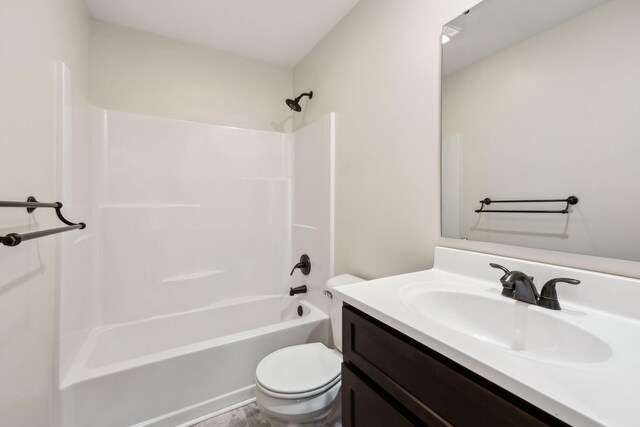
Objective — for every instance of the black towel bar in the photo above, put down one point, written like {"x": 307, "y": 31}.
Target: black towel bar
{"x": 571, "y": 200}
{"x": 14, "y": 239}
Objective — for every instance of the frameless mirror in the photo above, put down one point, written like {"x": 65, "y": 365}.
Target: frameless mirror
{"x": 541, "y": 101}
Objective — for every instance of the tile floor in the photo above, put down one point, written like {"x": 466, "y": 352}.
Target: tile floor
{"x": 245, "y": 416}
{"x": 249, "y": 416}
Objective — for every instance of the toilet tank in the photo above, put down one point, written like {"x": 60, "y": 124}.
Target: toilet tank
{"x": 335, "y": 306}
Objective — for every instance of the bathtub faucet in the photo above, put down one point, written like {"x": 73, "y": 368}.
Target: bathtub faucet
{"x": 304, "y": 265}
{"x": 298, "y": 290}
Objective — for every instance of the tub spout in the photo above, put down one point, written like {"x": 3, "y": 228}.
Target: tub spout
{"x": 298, "y": 290}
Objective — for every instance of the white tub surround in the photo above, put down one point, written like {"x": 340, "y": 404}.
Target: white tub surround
{"x": 312, "y": 204}
{"x": 180, "y": 286}
{"x": 576, "y": 363}
{"x": 171, "y": 369}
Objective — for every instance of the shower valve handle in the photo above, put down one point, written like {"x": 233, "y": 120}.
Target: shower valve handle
{"x": 304, "y": 265}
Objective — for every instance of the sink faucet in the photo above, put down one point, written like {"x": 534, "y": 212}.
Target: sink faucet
{"x": 517, "y": 285}
{"x": 520, "y": 286}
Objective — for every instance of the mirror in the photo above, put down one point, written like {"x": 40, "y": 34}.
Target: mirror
{"x": 541, "y": 100}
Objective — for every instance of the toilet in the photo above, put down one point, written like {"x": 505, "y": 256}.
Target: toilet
{"x": 300, "y": 385}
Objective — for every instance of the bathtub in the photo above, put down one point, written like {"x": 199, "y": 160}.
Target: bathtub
{"x": 168, "y": 370}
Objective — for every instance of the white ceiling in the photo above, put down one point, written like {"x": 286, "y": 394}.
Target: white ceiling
{"x": 277, "y": 31}
{"x": 494, "y": 25}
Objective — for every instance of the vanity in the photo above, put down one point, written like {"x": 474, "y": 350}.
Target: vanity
{"x": 444, "y": 347}
{"x": 389, "y": 379}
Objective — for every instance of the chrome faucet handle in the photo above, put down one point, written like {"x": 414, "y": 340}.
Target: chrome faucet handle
{"x": 548, "y": 294}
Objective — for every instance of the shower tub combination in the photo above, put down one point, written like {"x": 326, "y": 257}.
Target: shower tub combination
{"x": 173, "y": 295}
{"x": 171, "y": 369}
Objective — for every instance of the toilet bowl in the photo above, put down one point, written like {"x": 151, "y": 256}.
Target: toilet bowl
{"x": 300, "y": 385}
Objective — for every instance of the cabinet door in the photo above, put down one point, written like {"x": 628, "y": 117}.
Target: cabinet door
{"x": 363, "y": 407}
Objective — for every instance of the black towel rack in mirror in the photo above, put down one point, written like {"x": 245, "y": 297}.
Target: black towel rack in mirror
{"x": 571, "y": 200}
{"x": 14, "y": 239}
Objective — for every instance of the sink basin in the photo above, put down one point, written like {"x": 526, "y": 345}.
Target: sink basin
{"x": 519, "y": 327}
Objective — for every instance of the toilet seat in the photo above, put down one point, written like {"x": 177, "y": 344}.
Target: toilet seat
{"x": 299, "y": 371}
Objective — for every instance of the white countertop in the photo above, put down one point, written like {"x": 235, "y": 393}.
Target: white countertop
{"x": 593, "y": 393}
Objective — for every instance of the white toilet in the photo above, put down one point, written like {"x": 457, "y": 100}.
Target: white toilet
{"x": 300, "y": 385}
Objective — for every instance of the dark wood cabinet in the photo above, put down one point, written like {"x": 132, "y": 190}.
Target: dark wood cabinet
{"x": 367, "y": 407}
{"x": 392, "y": 380}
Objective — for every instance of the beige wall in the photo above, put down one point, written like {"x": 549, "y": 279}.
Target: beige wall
{"x": 33, "y": 35}
{"x": 143, "y": 73}
{"x": 379, "y": 70}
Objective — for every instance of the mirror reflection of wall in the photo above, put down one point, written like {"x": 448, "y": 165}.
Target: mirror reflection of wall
{"x": 541, "y": 100}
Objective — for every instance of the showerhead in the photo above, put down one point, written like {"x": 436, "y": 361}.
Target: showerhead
{"x": 294, "y": 104}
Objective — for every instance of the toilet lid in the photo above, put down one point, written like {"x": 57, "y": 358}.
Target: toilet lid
{"x": 299, "y": 369}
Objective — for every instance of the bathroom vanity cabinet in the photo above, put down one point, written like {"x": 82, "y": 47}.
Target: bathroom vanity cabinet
{"x": 389, "y": 379}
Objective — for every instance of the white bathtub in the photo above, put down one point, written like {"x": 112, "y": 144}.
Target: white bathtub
{"x": 168, "y": 370}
